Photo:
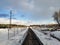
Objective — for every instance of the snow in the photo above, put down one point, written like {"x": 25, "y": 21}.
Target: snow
{"x": 40, "y": 28}
{"x": 3, "y": 34}
{"x": 45, "y": 39}
{"x": 56, "y": 34}
{"x": 15, "y": 38}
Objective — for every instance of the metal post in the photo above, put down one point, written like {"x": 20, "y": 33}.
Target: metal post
{"x": 8, "y": 32}
{"x": 17, "y": 28}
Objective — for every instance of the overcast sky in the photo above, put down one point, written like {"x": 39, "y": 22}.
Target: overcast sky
{"x": 30, "y": 11}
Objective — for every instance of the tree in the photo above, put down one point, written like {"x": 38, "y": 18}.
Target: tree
{"x": 56, "y": 17}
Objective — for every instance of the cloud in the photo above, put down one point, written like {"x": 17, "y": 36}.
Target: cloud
{"x": 4, "y": 15}
{"x": 41, "y": 10}
{"x": 22, "y": 22}
{"x": 14, "y": 21}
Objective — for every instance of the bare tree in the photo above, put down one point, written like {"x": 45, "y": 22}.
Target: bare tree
{"x": 56, "y": 17}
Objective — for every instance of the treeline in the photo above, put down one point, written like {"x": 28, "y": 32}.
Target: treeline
{"x": 12, "y": 25}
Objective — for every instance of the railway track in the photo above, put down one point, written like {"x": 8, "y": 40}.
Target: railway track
{"x": 31, "y": 39}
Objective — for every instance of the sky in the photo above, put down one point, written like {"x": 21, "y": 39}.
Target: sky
{"x": 29, "y": 11}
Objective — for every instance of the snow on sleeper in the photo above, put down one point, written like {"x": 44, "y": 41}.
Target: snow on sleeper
{"x": 46, "y": 40}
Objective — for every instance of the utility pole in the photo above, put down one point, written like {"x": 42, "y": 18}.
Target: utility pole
{"x": 10, "y": 22}
{"x": 10, "y": 17}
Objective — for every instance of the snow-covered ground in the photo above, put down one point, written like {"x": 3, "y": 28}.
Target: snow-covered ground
{"x": 56, "y": 34}
{"x": 16, "y": 36}
{"x": 41, "y": 30}
{"x": 46, "y": 39}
